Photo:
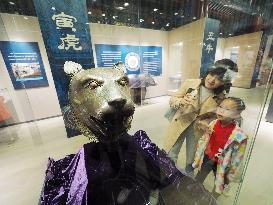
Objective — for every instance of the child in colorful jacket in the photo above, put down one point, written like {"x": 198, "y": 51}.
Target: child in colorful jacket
{"x": 221, "y": 149}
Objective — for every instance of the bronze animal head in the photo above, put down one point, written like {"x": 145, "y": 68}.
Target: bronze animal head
{"x": 100, "y": 101}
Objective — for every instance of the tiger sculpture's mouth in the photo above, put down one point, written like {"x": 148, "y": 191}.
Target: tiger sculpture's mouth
{"x": 111, "y": 122}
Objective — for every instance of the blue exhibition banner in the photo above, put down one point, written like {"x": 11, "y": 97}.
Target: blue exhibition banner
{"x": 211, "y": 34}
{"x": 65, "y": 29}
{"x": 24, "y": 63}
{"x": 137, "y": 59}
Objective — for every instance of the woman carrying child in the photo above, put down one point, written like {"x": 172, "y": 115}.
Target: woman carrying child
{"x": 195, "y": 103}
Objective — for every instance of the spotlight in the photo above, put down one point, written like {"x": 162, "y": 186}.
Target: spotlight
{"x": 155, "y": 9}
{"x": 126, "y": 4}
{"x": 168, "y": 24}
{"x": 11, "y": 3}
{"x": 176, "y": 14}
{"x": 103, "y": 14}
{"x": 89, "y": 12}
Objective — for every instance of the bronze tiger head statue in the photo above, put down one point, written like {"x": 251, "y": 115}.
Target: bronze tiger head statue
{"x": 100, "y": 101}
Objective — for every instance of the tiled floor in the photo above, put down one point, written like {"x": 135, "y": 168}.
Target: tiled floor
{"x": 23, "y": 162}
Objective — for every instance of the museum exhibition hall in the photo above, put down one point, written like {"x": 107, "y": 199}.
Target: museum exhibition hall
{"x": 136, "y": 102}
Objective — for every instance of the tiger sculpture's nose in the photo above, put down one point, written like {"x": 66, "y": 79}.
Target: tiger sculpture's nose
{"x": 117, "y": 102}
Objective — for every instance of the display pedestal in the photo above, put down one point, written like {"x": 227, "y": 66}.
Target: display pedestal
{"x": 138, "y": 94}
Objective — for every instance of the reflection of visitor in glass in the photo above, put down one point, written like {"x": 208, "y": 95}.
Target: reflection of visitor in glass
{"x": 266, "y": 70}
{"x": 221, "y": 148}
{"x": 195, "y": 103}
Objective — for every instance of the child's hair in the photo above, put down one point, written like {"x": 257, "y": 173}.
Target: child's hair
{"x": 240, "y": 105}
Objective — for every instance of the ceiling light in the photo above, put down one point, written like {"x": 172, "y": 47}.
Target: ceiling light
{"x": 53, "y": 8}
{"x": 103, "y": 14}
{"x": 182, "y": 16}
{"x": 176, "y": 14}
{"x": 194, "y": 18}
{"x": 114, "y": 17}
{"x": 89, "y": 12}
{"x": 249, "y": 46}
{"x": 86, "y": 23}
{"x": 11, "y": 3}
{"x": 126, "y": 4}
{"x": 160, "y": 13}
{"x": 120, "y": 8}
{"x": 168, "y": 24}
{"x": 141, "y": 20}
{"x": 153, "y": 22}
{"x": 155, "y": 9}
{"x": 229, "y": 34}
{"x": 129, "y": 19}
{"x": 221, "y": 33}
{"x": 226, "y": 5}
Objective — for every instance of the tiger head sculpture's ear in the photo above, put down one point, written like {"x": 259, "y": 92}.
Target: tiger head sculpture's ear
{"x": 71, "y": 68}
{"x": 120, "y": 66}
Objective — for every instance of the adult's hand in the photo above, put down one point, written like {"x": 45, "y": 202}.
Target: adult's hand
{"x": 187, "y": 99}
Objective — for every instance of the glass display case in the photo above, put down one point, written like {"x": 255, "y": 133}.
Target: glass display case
{"x": 187, "y": 68}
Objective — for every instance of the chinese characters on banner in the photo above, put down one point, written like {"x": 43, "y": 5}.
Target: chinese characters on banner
{"x": 209, "y": 47}
{"x": 209, "y": 44}
{"x": 66, "y": 34}
{"x": 65, "y": 21}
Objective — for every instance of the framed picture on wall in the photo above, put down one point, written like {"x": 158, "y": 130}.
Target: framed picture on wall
{"x": 24, "y": 64}
{"x": 137, "y": 59}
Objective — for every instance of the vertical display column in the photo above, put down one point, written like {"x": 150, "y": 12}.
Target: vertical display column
{"x": 66, "y": 34}
{"x": 211, "y": 33}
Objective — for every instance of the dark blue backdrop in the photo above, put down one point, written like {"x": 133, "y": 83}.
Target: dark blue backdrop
{"x": 66, "y": 34}
{"x": 211, "y": 34}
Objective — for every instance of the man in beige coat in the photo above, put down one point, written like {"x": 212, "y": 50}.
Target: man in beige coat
{"x": 195, "y": 103}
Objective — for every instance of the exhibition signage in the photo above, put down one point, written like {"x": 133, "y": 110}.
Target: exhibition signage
{"x": 211, "y": 34}
{"x": 65, "y": 29}
{"x": 24, "y": 64}
{"x": 137, "y": 59}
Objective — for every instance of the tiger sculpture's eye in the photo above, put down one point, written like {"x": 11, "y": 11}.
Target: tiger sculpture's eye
{"x": 92, "y": 84}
